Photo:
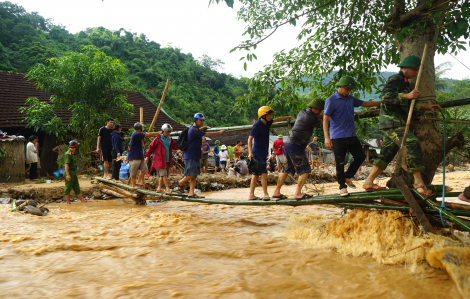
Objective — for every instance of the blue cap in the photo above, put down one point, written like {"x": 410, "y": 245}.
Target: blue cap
{"x": 199, "y": 116}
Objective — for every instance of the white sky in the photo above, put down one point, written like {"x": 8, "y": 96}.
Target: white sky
{"x": 188, "y": 24}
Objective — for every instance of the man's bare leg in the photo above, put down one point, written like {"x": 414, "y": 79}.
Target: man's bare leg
{"x": 159, "y": 189}
{"x": 280, "y": 182}
{"x": 81, "y": 198}
{"x": 165, "y": 181}
{"x": 192, "y": 185}
{"x": 254, "y": 180}
{"x": 419, "y": 184}
{"x": 106, "y": 170}
{"x": 298, "y": 191}
{"x": 264, "y": 184}
{"x": 369, "y": 182}
{"x": 134, "y": 186}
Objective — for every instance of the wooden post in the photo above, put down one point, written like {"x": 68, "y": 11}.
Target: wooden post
{"x": 142, "y": 115}
{"x": 159, "y": 105}
{"x": 427, "y": 227}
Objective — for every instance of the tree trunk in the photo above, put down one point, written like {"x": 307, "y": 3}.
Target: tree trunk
{"x": 427, "y": 131}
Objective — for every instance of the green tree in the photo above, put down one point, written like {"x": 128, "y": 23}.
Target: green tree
{"x": 358, "y": 38}
{"x": 90, "y": 85}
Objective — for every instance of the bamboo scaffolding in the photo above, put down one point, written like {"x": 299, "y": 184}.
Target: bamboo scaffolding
{"x": 449, "y": 215}
{"x": 358, "y": 197}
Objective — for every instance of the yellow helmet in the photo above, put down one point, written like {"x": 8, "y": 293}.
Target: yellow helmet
{"x": 264, "y": 110}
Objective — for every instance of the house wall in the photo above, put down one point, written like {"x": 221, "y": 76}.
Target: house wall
{"x": 12, "y": 165}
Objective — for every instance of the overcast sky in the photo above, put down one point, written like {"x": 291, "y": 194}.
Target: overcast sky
{"x": 188, "y": 24}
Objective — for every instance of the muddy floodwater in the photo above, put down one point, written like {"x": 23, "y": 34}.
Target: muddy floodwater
{"x": 115, "y": 249}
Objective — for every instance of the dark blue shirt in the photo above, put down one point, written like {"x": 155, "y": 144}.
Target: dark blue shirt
{"x": 136, "y": 150}
{"x": 260, "y": 133}
{"x": 341, "y": 113}
{"x": 117, "y": 142}
{"x": 195, "y": 141}
{"x": 216, "y": 151}
{"x": 205, "y": 147}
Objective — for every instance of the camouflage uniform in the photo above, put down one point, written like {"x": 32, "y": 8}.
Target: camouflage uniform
{"x": 392, "y": 121}
{"x": 73, "y": 183}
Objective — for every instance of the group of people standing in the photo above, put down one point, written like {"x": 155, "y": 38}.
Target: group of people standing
{"x": 338, "y": 128}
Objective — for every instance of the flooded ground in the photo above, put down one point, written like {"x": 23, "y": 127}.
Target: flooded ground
{"x": 115, "y": 249}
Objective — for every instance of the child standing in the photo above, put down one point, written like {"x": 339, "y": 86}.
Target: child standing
{"x": 223, "y": 156}
{"x": 71, "y": 179}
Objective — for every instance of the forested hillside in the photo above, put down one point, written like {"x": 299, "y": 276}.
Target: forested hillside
{"x": 197, "y": 85}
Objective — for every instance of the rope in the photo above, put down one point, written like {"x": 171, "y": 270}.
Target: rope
{"x": 443, "y": 175}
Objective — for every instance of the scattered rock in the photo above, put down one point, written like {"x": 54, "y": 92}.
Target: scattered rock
{"x": 97, "y": 194}
{"x": 33, "y": 210}
{"x": 5, "y": 200}
{"x": 30, "y": 202}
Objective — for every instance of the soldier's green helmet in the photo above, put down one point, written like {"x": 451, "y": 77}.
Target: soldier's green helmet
{"x": 410, "y": 61}
{"x": 317, "y": 103}
{"x": 346, "y": 81}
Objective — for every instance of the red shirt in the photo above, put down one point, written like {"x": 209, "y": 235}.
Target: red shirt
{"x": 278, "y": 143}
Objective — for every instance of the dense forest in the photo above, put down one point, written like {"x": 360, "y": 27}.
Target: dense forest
{"x": 197, "y": 85}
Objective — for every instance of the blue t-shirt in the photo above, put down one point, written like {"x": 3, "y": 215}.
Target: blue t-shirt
{"x": 216, "y": 151}
{"x": 136, "y": 151}
{"x": 195, "y": 141}
{"x": 341, "y": 113}
{"x": 260, "y": 133}
{"x": 166, "y": 144}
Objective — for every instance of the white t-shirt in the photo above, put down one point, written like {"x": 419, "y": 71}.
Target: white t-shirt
{"x": 31, "y": 156}
{"x": 223, "y": 156}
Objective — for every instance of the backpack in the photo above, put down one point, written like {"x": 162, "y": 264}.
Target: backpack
{"x": 182, "y": 142}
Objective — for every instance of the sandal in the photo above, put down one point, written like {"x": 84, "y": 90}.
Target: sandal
{"x": 266, "y": 198}
{"x": 374, "y": 187}
{"x": 256, "y": 198}
{"x": 195, "y": 196}
{"x": 350, "y": 183}
{"x": 305, "y": 196}
{"x": 279, "y": 197}
{"x": 180, "y": 187}
{"x": 424, "y": 193}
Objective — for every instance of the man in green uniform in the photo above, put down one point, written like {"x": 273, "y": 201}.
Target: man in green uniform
{"x": 396, "y": 101}
{"x": 71, "y": 179}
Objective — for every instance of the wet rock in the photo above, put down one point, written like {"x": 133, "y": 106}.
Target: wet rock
{"x": 32, "y": 210}
{"x": 5, "y": 201}
{"x": 205, "y": 186}
{"x": 97, "y": 194}
{"x": 214, "y": 186}
{"x": 44, "y": 210}
{"x": 30, "y": 202}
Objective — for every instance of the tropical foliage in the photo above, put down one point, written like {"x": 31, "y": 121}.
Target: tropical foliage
{"x": 197, "y": 84}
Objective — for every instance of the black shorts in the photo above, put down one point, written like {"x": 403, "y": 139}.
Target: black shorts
{"x": 106, "y": 155}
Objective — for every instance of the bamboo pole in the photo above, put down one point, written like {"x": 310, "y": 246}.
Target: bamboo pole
{"x": 453, "y": 121}
{"x": 159, "y": 105}
{"x": 448, "y": 104}
{"x": 446, "y": 213}
{"x": 280, "y": 124}
{"x": 398, "y": 208}
{"x": 142, "y": 115}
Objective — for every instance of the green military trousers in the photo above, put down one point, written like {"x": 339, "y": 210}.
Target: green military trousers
{"x": 391, "y": 145}
{"x": 72, "y": 184}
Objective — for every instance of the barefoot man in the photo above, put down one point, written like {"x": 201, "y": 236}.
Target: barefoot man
{"x": 396, "y": 100}
{"x": 71, "y": 179}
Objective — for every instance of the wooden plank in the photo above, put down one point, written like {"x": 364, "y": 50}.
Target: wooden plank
{"x": 427, "y": 227}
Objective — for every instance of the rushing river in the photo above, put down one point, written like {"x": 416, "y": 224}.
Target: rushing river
{"x": 115, "y": 249}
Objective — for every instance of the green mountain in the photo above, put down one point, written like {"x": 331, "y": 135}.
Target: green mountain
{"x": 196, "y": 85}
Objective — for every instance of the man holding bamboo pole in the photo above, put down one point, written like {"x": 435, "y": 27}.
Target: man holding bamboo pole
{"x": 396, "y": 100}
